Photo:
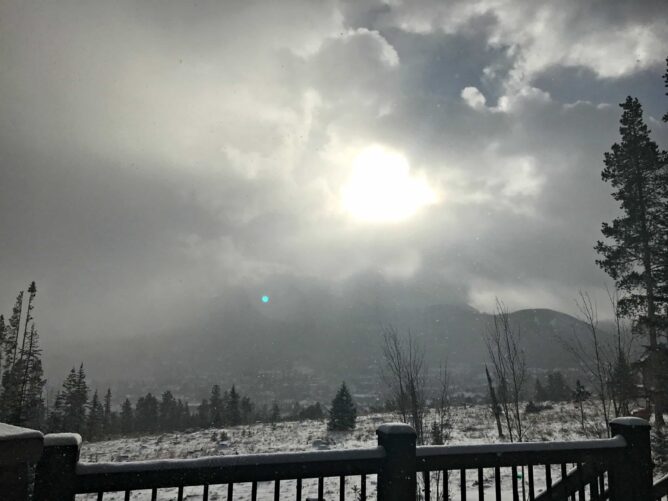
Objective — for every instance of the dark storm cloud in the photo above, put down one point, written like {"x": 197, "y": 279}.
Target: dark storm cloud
{"x": 154, "y": 158}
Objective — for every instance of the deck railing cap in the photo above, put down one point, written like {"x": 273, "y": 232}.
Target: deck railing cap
{"x": 62, "y": 439}
{"x": 395, "y": 429}
{"x": 19, "y": 445}
{"x": 633, "y": 422}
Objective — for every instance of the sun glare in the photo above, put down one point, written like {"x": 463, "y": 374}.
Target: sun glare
{"x": 382, "y": 189}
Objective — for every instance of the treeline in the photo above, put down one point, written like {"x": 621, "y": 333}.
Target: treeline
{"x": 95, "y": 419}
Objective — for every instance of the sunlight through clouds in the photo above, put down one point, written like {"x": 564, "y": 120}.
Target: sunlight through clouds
{"x": 382, "y": 189}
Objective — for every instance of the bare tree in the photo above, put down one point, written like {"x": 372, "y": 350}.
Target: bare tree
{"x": 442, "y": 406}
{"x": 509, "y": 364}
{"x": 404, "y": 372}
{"x": 622, "y": 386}
{"x": 592, "y": 354}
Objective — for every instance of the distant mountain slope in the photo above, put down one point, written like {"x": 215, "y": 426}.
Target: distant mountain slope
{"x": 330, "y": 335}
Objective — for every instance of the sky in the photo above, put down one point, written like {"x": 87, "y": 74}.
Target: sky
{"x": 157, "y": 156}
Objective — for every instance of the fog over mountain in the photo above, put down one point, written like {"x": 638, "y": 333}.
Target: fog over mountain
{"x": 328, "y": 334}
{"x": 164, "y": 167}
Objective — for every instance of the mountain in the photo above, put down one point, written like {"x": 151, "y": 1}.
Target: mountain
{"x": 332, "y": 335}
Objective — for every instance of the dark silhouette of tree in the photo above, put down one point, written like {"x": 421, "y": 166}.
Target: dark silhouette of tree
{"x": 146, "y": 414}
{"x": 216, "y": 407}
{"x": 635, "y": 242}
{"x": 74, "y": 396}
{"x": 127, "y": 417}
{"x": 107, "y": 425}
{"x": 557, "y": 390}
{"x": 342, "y": 414}
{"x": 246, "y": 408}
{"x": 232, "y": 407}
{"x": 275, "y": 415}
{"x": 204, "y": 414}
{"x": 10, "y": 376}
{"x": 95, "y": 419}
{"x": 540, "y": 393}
{"x": 168, "y": 412}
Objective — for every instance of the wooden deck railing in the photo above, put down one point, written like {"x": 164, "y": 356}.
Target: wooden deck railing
{"x": 617, "y": 468}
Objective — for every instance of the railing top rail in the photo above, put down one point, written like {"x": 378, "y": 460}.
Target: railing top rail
{"x": 617, "y": 442}
{"x": 233, "y": 461}
{"x": 95, "y": 477}
{"x": 517, "y": 454}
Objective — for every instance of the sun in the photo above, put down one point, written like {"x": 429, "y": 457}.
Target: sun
{"x": 381, "y": 188}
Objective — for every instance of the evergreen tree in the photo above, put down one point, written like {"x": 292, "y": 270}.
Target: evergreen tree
{"x": 127, "y": 418}
{"x": 246, "y": 408}
{"x": 31, "y": 402}
{"x": 232, "y": 410}
{"x": 343, "y": 414}
{"x": 75, "y": 399}
{"x": 436, "y": 434}
{"x": 3, "y": 332}
{"x": 54, "y": 422}
{"x": 107, "y": 425}
{"x": 168, "y": 412}
{"x": 275, "y": 415}
{"x": 22, "y": 383}
{"x": 636, "y": 240}
{"x": 146, "y": 414}
{"x": 216, "y": 410}
{"x": 580, "y": 395}
{"x": 204, "y": 414}
{"x": 540, "y": 394}
{"x": 557, "y": 389}
{"x": 95, "y": 420}
{"x": 9, "y": 409}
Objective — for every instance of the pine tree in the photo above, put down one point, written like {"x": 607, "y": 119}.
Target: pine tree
{"x": 246, "y": 410}
{"x": 127, "y": 418}
{"x": 580, "y": 395}
{"x": 540, "y": 394}
{"x": 204, "y": 414}
{"x": 275, "y": 415}
{"x": 146, "y": 414}
{"x": 95, "y": 420}
{"x": 54, "y": 421}
{"x": 3, "y": 332}
{"x": 75, "y": 400}
{"x": 168, "y": 412}
{"x": 636, "y": 239}
{"x": 216, "y": 410}
{"x": 343, "y": 414}
{"x": 9, "y": 396}
{"x": 107, "y": 424}
{"x": 22, "y": 383}
{"x": 557, "y": 389}
{"x": 436, "y": 434}
{"x": 232, "y": 410}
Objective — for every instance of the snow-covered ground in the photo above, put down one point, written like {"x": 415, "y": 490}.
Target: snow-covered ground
{"x": 470, "y": 425}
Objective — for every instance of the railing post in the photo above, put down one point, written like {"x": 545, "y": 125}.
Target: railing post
{"x": 632, "y": 477}
{"x": 55, "y": 476}
{"x": 396, "y": 480}
{"x": 20, "y": 449}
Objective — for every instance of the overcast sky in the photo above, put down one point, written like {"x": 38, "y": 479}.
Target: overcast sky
{"x": 158, "y": 154}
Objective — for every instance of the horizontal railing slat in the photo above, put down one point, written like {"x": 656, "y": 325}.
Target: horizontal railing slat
{"x": 94, "y": 477}
{"x": 488, "y": 456}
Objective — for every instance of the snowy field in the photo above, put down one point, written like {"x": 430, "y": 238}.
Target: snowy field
{"x": 470, "y": 425}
